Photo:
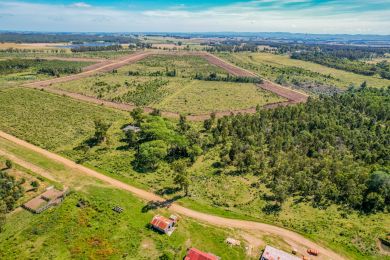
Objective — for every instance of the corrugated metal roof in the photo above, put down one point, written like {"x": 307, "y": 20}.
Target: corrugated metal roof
{"x": 195, "y": 254}
{"x": 272, "y": 253}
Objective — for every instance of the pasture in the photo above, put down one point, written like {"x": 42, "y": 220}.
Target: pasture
{"x": 272, "y": 66}
{"x": 167, "y": 83}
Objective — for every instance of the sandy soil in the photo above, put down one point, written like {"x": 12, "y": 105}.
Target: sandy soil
{"x": 287, "y": 235}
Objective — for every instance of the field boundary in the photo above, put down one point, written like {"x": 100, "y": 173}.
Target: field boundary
{"x": 292, "y": 96}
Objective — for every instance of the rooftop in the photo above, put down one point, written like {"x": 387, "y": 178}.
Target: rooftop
{"x": 161, "y": 222}
{"x": 195, "y": 254}
{"x": 272, "y": 253}
{"x": 131, "y": 128}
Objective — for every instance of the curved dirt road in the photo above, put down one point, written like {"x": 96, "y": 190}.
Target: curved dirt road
{"x": 292, "y": 96}
{"x": 210, "y": 219}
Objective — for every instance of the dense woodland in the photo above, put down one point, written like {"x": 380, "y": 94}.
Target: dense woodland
{"x": 329, "y": 150}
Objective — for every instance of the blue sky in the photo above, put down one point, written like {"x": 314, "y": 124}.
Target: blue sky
{"x": 309, "y": 16}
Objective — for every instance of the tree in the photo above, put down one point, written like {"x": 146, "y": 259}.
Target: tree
{"x": 183, "y": 125}
{"x": 137, "y": 115}
{"x": 132, "y": 138}
{"x": 8, "y": 164}
{"x": 155, "y": 112}
{"x": 3, "y": 211}
{"x": 181, "y": 178}
{"x": 363, "y": 85}
{"x": 101, "y": 129}
{"x": 150, "y": 154}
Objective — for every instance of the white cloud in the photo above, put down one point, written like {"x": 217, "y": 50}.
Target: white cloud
{"x": 81, "y": 5}
{"x": 238, "y": 17}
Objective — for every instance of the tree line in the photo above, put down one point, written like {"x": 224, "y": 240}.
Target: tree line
{"x": 333, "y": 60}
{"x": 115, "y": 47}
{"x": 49, "y": 67}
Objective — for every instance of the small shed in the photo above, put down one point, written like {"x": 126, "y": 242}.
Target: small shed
{"x": 163, "y": 224}
{"x": 272, "y": 253}
{"x": 196, "y": 254}
{"x": 133, "y": 128}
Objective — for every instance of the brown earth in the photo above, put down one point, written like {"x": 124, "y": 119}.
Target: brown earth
{"x": 245, "y": 225}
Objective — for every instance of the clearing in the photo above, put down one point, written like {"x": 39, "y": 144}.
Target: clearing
{"x": 149, "y": 83}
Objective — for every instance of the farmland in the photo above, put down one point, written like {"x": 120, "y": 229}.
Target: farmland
{"x": 167, "y": 83}
{"x": 17, "y": 71}
{"x": 243, "y": 197}
{"x": 301, "y": 74}
{"x": 87, "y": 232}
{"x": 51, "y": 112}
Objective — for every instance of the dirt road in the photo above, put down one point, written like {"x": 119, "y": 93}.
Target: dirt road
{"x": 104, "y": 66}
{"x": 108, "y": 65}
{"x": 207, "y": 218}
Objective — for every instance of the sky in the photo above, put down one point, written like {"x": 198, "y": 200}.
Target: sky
{"x": 304, "y": 16}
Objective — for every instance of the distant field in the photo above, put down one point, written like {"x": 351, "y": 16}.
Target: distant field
{"x": 271, "y": 66}
{"x": 171, "y": 42}
{"x": 18, "y": 71}
{"x": 199, "y": 97}
{"x": 66, "y": 53}
{"x": 31, "y": 46}
{"x": 146, "y": 83}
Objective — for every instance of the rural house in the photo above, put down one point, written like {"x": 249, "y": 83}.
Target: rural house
{"x": 195, "y": 254}
{"x": 272, "y": 253}
{"x": 50, "y": 197}
{"x": 163, "y": 224}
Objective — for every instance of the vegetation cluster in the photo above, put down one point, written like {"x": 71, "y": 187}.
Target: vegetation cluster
{"x": 331, "y": 150}
{"x": 48, "y": 67}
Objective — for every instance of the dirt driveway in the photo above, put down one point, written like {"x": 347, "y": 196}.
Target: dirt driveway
{"x": 287, "y": 235}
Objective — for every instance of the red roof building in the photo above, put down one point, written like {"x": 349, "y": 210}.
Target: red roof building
{"x": 195, "y": 254}
{"x": 163, "y": 224}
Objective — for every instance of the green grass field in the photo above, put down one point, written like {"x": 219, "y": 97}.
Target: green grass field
{"x": 97, "y": 232}
{"x": 199, "y": 97}
{"x": 149, "y": 86}
{"x": 271, "y": 66}
{"x": 26, "y": 112}
{"x": 59, "y": 124}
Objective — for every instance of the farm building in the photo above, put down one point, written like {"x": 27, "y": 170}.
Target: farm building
{"x": 133, "y": 128}
{"x": 272, "y": 253}
{"x": 195, "y": 254}
{"x": 163, "y": 224}
{"x": 50, "y": 197}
